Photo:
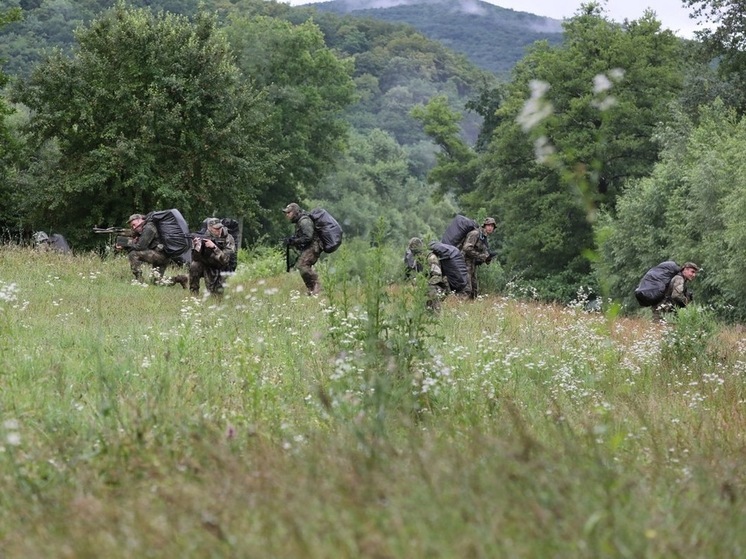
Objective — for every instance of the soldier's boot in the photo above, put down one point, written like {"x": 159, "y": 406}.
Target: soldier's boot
{"x": 181, "y": 280}
{"x": 315, "y": 290}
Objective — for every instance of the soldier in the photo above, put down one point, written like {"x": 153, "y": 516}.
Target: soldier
{"x": 677, "y": 295}
{"x": 418, "y": 261}
{"x": 211, "y": 258}
{"x": 307, "y": 241}
{"x": 144, "y": 246}
{"x": 477, "y": 251}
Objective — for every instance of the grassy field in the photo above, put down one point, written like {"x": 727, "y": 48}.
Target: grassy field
{"x": 136, "y": 421}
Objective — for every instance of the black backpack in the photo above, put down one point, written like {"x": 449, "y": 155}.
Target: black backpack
{"x": 329, "y": 231}
{"x": 654, "y": 283}
{"x": 453, "y": 265}
{"x": 457, "y": 230}
{"x": 173, "y": 232}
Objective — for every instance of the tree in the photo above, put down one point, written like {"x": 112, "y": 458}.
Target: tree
{"x": 690, "y": 208}
{"x": 149, "y": 112}
{"x": 8, "y": 145}
{"x": 456, "y": 169}
{"x": 307, "y": 86}
{"x": 605, "y": 90}
{"x": 724, "y": 41}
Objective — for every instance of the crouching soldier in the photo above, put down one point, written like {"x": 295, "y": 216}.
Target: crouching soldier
{"x": 144, "y": 246}
{"x": 211, "y": 257}
{"x": 420, "y": 261}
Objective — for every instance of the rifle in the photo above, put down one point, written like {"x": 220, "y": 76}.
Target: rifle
{"x": 118, "y": 236}
{"x": 219, "y": 242}
{"x": 123, "y": 231}
{"x": 288, "y": 244}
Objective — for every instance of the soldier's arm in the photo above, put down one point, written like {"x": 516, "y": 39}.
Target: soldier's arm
{"x": 146, "y": 237}
{"x": 303, "y": 232}
{"x": 474, "y": 249}
{"x": 678, "y": 291}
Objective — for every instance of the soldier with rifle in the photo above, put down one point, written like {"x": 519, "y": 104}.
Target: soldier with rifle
{"x": 212, "y": 252}
{"x": 307, "y": 241}
{"x": 144, "y": 245}
{"x": 476, "y": 251}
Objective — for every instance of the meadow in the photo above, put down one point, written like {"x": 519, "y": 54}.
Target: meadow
{"x": 137, "y": 421}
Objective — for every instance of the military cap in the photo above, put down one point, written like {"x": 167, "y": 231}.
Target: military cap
{"x": 691, "y": 265}
{"x": 133, "y": 217}
{"x": 292, "y": 207}
{"x": 489, "y": 221}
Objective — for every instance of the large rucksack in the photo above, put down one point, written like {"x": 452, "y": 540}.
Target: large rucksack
{"x": 173, "y": 232}
{"x": 453, "y": 265}
{"x": 654, "y": 283}
{"x": 457, "y": 230}
{"x": 329, "y": 231}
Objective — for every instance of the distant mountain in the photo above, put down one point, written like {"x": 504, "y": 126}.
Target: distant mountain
{"x": 492, "y": 37}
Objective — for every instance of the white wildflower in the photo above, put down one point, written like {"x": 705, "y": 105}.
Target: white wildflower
{"x": 536, "y": 108}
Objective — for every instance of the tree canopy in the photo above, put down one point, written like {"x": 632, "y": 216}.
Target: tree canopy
{"x": 148, "y": 112}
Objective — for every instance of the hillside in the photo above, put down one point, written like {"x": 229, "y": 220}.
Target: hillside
{"x": 491, "y": 37}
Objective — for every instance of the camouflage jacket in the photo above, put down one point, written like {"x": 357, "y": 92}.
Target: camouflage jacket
{"x": 678, "y": 293}
{"x": 220, "y": 256}
{"x": 305, "y": 232}
{"x": 476, "y": 247}
{"x": 147, "y": 240}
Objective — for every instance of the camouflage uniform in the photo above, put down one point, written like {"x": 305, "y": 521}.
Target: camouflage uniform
{"x": 212, "y": 263}
{"x": 476, "y": 251}
{"x": 677, "y": 295}
{"x": 147, "y": 247}
{"x": 416, "y": 261}
{"x": 307, "y": 241}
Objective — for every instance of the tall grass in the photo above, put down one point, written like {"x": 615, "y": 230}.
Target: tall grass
{"x": 140, "y": 422}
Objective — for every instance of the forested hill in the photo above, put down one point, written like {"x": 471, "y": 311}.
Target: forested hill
{"x": 492, "y": 37}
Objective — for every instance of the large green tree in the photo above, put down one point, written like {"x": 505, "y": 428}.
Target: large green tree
{"x": 308, "y": 88}
{"x": 690, "y": 208}
{"x": 8, "y": 145}
{"x": 587, "y": 129}
{"x": 148, "y": 112}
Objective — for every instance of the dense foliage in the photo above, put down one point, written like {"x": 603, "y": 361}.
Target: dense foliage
{"x": 149, "y": 112}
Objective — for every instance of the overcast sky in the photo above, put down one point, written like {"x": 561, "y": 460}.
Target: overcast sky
{"x": 670, "y": 12}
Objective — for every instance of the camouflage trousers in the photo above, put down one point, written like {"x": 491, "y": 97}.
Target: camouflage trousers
{"x": 305, "y": 263}
{"x": 473, "y": 288}
{"x": 214, "y": 278}
{"x": 159, "y": 260}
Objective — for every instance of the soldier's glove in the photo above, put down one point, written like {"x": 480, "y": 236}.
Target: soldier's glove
{"x": 288, "y": 241}
{"x": 689, "y": 297}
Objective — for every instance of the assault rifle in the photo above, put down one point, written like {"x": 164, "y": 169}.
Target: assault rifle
{"x": 123, "y": 231}
{"x": 287, "y": 241}
{"x": 219, "y": 242}
{"x": 118, "y": 236}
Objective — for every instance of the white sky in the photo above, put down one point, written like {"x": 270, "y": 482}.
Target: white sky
{"x": 669, "y": 12}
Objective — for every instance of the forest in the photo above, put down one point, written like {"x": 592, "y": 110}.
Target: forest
{"x": 599, "y": 156}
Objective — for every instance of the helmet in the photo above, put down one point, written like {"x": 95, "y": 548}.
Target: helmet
{"x": 292, "y": 207}
{"x": 415, "y": 245}
{"x": 489, "y": 221}
{"x": 133, "y": 217}
{"x": 40, "y": 237}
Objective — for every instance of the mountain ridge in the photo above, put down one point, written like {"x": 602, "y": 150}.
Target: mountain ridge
{"x": 492, "y": 37}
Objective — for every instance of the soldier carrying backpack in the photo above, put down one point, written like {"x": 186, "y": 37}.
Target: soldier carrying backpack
{"x": 664, "y": 287}
{"x": 315, "y": 232}
{"x": 146, "y": 245}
